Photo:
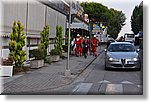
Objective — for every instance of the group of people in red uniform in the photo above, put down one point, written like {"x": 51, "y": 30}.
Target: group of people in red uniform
{"x": 85, "y": 45}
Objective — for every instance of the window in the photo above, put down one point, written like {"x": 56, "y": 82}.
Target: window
{"x": 121, "y": 48}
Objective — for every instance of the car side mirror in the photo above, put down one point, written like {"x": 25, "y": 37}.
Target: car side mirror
{"x": 137, "y": 50}
{"x": 105, "y": 50}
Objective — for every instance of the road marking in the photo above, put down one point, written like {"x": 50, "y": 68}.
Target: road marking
{"x": 126, "y": 82}
{"x": 104, "y": 82}
{"x": 112, "y": 89}
{"x": 79, "y": 80}
{"x": 82, "y": 88}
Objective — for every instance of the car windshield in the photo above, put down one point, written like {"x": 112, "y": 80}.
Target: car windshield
{"x": 121, "y": 48}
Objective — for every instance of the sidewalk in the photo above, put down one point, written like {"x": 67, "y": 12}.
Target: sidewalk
{"x": 48, "y": 77}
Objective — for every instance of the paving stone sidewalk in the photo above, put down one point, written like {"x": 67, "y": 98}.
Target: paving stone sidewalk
{"x": 48, "y": 77}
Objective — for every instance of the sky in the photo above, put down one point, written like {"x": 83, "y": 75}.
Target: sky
{"x": 127, "y": 6}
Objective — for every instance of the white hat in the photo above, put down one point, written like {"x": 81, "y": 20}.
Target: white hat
{"x": 78, "y": 34}
{"x": 94, "y": 35}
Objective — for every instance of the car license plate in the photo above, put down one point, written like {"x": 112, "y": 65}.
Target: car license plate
{"x": 130, "y": 62}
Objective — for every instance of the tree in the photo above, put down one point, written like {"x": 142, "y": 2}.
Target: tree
{"x": 137, "y": 19}
{"x": 16, "y": 44}
{"x": 116, "y": 22}
{"x": 44, "y": 40}
{"x": 113, "y": 19}
{"x": 58, "y": 39}
{"x": 95, "y": 11}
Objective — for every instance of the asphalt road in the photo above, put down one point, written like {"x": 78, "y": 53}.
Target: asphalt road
{"x": 95, "y": 80}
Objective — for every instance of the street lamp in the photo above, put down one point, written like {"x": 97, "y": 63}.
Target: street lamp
{"x": 67, "y": 71}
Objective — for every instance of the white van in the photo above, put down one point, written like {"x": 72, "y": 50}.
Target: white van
{"x": 129, "y": 37}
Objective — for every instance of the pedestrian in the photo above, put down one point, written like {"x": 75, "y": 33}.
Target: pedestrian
{"x": 85, "y": 47}
{"x": 89, "y": 45}
{"x": 121, "y": 39}
{"x": 73, "y": 45}
{"x": 81, "y": 47}
{"x": 78, "y": 45}
{"x": 94, "y": 45}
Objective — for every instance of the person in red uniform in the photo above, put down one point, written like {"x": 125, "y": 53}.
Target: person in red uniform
{"x": 78, "y": 45}
{"x": 81, "y": 47}
{"x": 94, "y": 45}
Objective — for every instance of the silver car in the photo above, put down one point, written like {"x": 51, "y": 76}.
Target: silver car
{"x": 122, "y": 55}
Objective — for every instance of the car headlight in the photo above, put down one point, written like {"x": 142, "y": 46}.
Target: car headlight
{"x": 113, "y": 59}
{"x": 135, "y": 59}
{"x": 110, "y": 59}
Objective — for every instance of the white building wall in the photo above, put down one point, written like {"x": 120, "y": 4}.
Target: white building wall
{"x": 31, "y": 14}
{"x": 36, "y": 17}
{"x": 35, "y": 21}
{"x": 12, "y": 11}
{"x": 51, "y": 20}
{"x": 5, "y": 53}
{"x": 62, "y": 22}
{"x": 15, "y": 10}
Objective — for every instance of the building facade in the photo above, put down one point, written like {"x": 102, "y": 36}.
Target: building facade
{"x": 34, "y": 15}
{"x": 80, "y": 23}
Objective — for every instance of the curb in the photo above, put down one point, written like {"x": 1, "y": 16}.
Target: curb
{"x": 72, "y": 79}
{"x": 89, "y": 63}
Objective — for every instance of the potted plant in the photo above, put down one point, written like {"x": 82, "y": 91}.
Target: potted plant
{"x": 6, "y": 67}
{"x": 44, "y": 40}
{"x": 38, "y": 55}
{"x": 57, "y": 51}
{"x": 16, "y": 44}
{"x": 55, "y": 55}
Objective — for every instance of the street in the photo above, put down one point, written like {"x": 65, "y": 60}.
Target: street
{"x": 70, "y": 47}
{"x": 95, "y": 80}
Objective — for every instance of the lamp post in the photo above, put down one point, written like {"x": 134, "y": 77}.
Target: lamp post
{"x": 67, "y": 71}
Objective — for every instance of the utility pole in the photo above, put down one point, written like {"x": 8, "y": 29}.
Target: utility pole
{"x": 67, "y": 71}
{"x": 90, "y": 27}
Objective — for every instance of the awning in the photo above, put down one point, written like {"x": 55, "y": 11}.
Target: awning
{"x": 79, "y": 26}
{"x": 28, "y": 36}
{"x": 5, "y": 35}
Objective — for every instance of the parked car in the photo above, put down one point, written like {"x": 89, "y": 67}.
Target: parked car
{"x": 122, "y": 55}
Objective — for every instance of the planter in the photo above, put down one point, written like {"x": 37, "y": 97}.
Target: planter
{"x": 55, "y": 58}
{"x": 6, "y": 70}
{"x": 37, "y": 63}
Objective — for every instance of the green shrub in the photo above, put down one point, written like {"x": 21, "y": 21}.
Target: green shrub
{"x": 55, "y": 52}
{"x": 16, "y": 44}
{"x": 38, "y": 54}
{"x": 65, "y": 48}
{"x": 44, "y": 40}
{"x": 58, "y": 39}
{"x": 44, "y": 37}
{"x": 48, "y": 61}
